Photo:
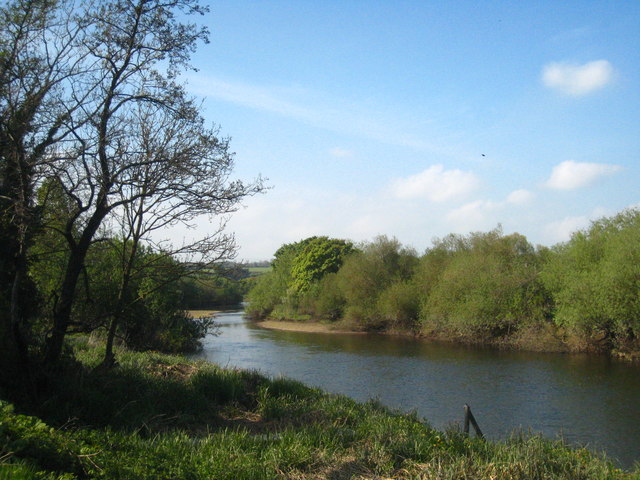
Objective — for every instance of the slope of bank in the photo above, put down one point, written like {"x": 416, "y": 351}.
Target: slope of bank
{"x": 307, "y": 326}
{"x": 163, "y": 417}
{"x": 547, "y": 338}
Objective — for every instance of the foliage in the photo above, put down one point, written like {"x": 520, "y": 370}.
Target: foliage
{"x": 210, "y": 290}
{"x": 93, "y": 116}
{"x": 480, "y": 287}
{"x": 368, "y": 273}
{"x": 595, "y": 280}
{"x": 268, "y": 291}
{"x": 326, "y": 300}
{"x": 318, "y": 257}
{"x": 151, "y": 306}
{"x": 32, "y": 440}
{"x": 297, "y": 269}
{"x": 35, "y": 108}
{"x": 399, "y": 306}
{"x": 484, "y": 284}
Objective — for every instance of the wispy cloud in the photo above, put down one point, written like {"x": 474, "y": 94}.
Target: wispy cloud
{"x": 576, "y": 80}
{"x": 251, "y": 96}
{"x": 519, "y": 197}
{"x": 561, "y": 230}
{"x": 571, "y": 175}
{"x": 327, "y": 113}
{"x": 339, "y": 152}
{"x": 436, "y": 184}
{"x": 479, "y": 214}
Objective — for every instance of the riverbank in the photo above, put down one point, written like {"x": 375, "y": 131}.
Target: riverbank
{"x": 163, "y": 417}
{"x": 539, "y": 339}
{"x": 310, "y": 327}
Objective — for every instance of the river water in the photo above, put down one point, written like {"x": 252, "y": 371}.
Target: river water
{"x": 589, "y": 400}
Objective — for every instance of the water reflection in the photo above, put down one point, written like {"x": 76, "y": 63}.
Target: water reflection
{"x": 589, "y": 400}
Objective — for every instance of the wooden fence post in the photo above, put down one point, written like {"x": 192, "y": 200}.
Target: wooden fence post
{"x": 468, "y": 417}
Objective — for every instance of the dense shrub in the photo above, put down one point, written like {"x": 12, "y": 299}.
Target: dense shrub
{"x": 327, "y": 300}
{"x": 399, "y": 306}
{"x": 595, "y": 280}
{"x": 488, "y": 285}
{"x": 293, "y": 281}
{"x": 368, "y": 273}
{"x": 267, "y": 292}
{"x": 150, "y": 308}
{"x": 475, "y": 287}
{"x": 208, "y": 290}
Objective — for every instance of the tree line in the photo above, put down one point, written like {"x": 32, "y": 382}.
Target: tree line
{"x": 102, "y": 150}
{"x": 483, "y": 287}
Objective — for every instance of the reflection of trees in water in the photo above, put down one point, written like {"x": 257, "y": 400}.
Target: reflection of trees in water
{"x": 394, "y": 346}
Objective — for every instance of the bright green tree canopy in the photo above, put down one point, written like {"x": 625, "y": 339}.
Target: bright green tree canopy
{"x": 315, "y": 258}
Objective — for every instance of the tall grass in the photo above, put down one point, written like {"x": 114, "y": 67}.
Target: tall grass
{"x": 161, "y": 417}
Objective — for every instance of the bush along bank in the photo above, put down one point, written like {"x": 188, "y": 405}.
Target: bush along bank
{"x": 484, "y": 287}
{"x": 162, "y": 417}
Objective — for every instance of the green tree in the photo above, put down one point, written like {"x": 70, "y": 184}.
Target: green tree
{"x": 210, "y": 289}
{"x": 369, "y": 272}
{"x": 483, "y": 285}
{"x": 595, "y": 281}
{"x": 315, "y": 258}
{"x": 268, "y": 292}
{"x": 297, "y": 269}
{"x": 399, "y": 306}
{"x": 38, "y": 65}
{"x": 144, "y": 158}
{"x": 90, "y": 97}
{"x": 326, "y": 301}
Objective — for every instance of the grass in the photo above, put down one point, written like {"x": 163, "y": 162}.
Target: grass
{"x": 162, "y": 417}
{"x": 259, "y": 270}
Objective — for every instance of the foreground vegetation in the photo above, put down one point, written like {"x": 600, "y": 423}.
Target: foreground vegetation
{"x": 484, "y": 287}
{"x": 162, "y": 417}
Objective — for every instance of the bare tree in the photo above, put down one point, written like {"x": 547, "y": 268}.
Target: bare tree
{"x": 182, "y": 171}
{"x": 89, "y": 96}
{"x": 144, "y": 153}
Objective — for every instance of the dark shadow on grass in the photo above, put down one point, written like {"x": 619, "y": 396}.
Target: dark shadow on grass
{"x": 151, "y": 393}
{"x": 155, "y": 397}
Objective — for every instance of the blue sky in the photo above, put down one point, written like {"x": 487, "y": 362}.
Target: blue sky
{"x": 417, "y": 119}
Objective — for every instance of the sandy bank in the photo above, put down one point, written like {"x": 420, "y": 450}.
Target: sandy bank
{"x": 312, "y": 327}
{"x": 201, "y": 313}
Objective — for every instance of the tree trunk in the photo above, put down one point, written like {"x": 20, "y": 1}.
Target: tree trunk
{"x": 17, "y": 314}
{"x": 62, "y": 310}
{"x": 136, "y": 235}
{"x": 109, "y": 357}
{"x": 17, "y": 184}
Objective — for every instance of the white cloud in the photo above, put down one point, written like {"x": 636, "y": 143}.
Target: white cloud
{"x": 519, "y": 197}
{"x": 577, "y": 80}
{"x": 561, "y": 230}
{"x": 436, "y": 184}
{"x": 571, "y": 175}
{"x": 341, "y": 152}
{"x": 475, "y": 215}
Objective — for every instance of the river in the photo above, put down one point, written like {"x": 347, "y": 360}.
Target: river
{"x": 589, "y": 400}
